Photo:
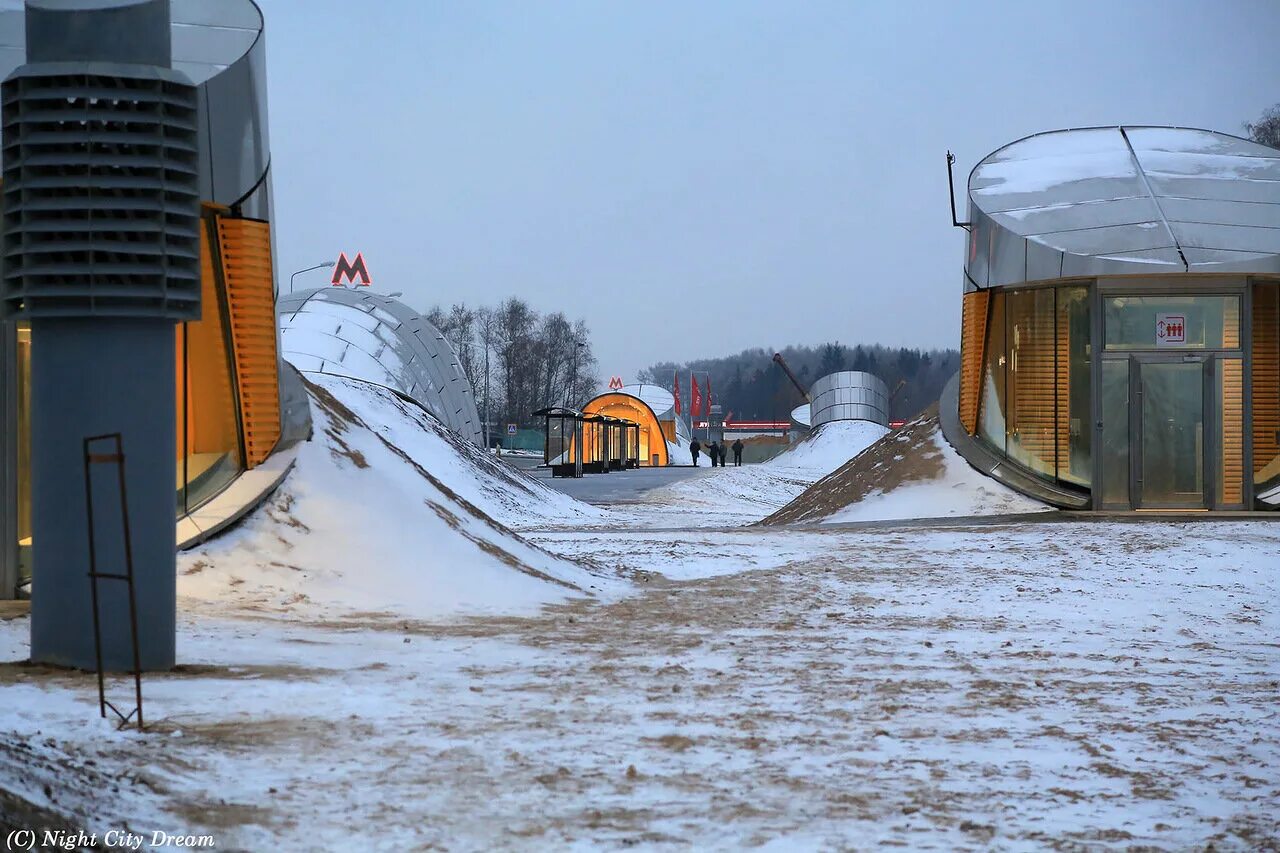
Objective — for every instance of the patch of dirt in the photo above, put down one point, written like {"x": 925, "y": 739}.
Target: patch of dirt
{"x": 14, "y": 610}
{"x": 908, "y": 454}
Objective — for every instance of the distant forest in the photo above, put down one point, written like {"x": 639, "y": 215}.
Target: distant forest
{"x": 752, "y": 387}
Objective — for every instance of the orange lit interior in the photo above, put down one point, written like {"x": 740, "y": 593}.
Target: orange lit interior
{"x": 617, "y": 405}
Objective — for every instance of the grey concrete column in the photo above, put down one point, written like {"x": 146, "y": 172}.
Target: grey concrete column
{"x": 88, "y": 377}
{"x": 8, "y": 460}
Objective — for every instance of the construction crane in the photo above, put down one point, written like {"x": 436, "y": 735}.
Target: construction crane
{"x": 778, "y": 360}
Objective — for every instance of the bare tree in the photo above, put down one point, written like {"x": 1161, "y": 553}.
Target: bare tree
{"x": 585, "y": 381}
{"x": 1267, "y": 128}
{"x": 518, "y": 360}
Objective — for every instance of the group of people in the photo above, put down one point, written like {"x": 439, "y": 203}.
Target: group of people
{"x": 718, "y": 451}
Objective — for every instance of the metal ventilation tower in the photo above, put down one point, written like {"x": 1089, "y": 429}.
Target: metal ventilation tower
{"x": 101, "y": 255}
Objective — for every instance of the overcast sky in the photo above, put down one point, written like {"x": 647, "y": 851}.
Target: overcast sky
{"x": 695, "y": 178}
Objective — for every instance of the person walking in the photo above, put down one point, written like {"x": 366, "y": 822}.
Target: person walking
{"x": 713, "y": 450}
{"x": 694, "y": 447}
{"x": 737, "y": 453}
{"x": 724, "y": 454}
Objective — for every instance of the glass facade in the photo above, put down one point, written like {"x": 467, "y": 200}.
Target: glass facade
{"x": 653, "y": 446}
{"x": 1264, "y": 370}
{"x": 1115, "y": 434}
{"x": 991, "y": 405}
{"x": 209, "y": 440}
{"x": 1171, "y": 426}
{"x": 1172, "y": 322}
{"x": 1030, "y": 372}
{"x": 1035, "y": 399}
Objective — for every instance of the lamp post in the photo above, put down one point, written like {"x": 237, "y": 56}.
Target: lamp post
{"x": 308, "y": 269}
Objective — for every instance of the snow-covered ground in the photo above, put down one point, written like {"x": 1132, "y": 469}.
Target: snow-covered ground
{"x": 387, "y": 511}
{"x": 733, "y": 496}
{"x": 372, "y": 661}
{"x": 1106, "y": 685}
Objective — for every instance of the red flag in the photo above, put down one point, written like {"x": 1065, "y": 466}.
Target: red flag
{"x": 695, "y": 410}
{"x": 675, "y": 390}
{"x": 709, "y": 400}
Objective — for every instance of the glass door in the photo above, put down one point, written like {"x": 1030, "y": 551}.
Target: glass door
{"x": 1169, "y": 467}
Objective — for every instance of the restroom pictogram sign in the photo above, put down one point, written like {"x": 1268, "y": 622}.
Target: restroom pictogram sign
{"x": 1171, "y": 330}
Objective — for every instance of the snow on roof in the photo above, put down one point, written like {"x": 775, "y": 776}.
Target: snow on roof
{"x": 1146, "y": 195}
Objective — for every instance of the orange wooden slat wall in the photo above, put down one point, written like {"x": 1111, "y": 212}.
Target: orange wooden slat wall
{"x": 973, "y": 336}
{"x": 245, "y": 245}
{"x": 1232, "y": 483}
{"x": 1063, "y": 384}
{"x": 1265, "y": 373}
{"x": 1032, "y": 378}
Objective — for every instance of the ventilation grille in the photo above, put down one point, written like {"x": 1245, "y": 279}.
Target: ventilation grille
{"x": 100, "y": 198}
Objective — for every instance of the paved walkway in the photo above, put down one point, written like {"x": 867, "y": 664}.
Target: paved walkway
{"x": 619, "y": 486}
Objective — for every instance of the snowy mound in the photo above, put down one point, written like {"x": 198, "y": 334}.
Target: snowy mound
{"x": 741, "y": 495}
{"x": 504, "y": 492}
{"x": 386, "y": 513}
{"x": 910, "y": 473}
{"x": 830, "y": 445}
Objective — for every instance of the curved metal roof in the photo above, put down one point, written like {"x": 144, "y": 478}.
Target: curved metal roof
{"x": 366, "y": 336}
{"x": 657, "y": 398}
{"x": 1123, "y": 200}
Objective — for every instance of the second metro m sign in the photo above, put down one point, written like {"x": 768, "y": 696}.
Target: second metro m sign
{"x": 355, "y": 272}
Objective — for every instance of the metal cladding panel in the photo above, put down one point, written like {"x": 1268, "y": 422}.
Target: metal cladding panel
{"x": 1123, "y": 201}
{"x": 1109, "y": 240}
{"x": 1069, "y": 217}
{"x": 137, "y": 31}
{"x": 1146, "y": 261}
{"x": 980, "y": 238}
{"x": 1218, "y": 260}
{"x": 295, "y": 407}
{"x": 1220, "y": 189}
{"x": 1008, "y": 263}
{"x": 1244, "y": 213}
{"x": 801, "y": 414}
{"x": 366, "y": 336}
{"x": 849, "y": 395}
{"x": 1231, "y": 238}
{"x": 233, "y": 133}
{"x": 1043, "y": 262}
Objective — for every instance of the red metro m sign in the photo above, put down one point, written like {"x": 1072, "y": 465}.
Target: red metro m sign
{"x": 350, "y": 270}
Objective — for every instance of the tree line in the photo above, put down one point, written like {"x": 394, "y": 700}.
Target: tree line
{"x": 752, "y": 387}
{"x": 517, "y": 359}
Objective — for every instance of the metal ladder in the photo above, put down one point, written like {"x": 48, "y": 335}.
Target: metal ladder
{"x": 116, "y": 458}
